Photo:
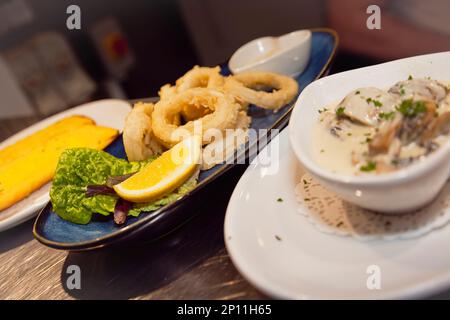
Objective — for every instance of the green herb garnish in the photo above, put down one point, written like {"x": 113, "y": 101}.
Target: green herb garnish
{"x": 376, "y": 103}
{"x": 411, "y": 109}
{"x": 323, "y": 110}
{"x": 370, "y": 166}
{"x": 387, "y": 115}
{"x": 340, "y": 111}
{"x": 410, "y": 77}
{"x": 279, "y": 200}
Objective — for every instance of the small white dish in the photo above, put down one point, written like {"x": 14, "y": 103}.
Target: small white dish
{"x": 288, "y": 54}
{"x": 110, "y": 113}
{"x": 403, "y": 190}
{"x": 285, "y": 256}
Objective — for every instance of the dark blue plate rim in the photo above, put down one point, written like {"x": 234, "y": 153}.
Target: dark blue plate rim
{"x": 129, "y": 230}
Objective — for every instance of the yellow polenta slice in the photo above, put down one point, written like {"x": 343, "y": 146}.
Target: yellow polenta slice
{"x": 24, "y": 146}
{"x": 28, "y": 173}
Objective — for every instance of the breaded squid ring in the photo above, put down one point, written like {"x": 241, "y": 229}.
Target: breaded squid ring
{"x": 224, "y": 115}
{"x": 241, "y": 86}
{"x": 200, "y": 77}
{"x": 138, "y": 137}
{"x": 197, "y": 77}
{"x": 167, "y": 91}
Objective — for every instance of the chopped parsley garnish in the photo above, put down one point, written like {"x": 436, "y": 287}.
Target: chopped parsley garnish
{"x": 358, "y": 92}
{"x": 410, "y": 77}
{"x": 411, "y": 109}
{"x": 280, "y": 199}
{"x": 370, "y": 166}
{"x": 376, "y": 103}
{"x": 386, "y": 115}
{"x": 323, "y": 110}
{"x": 340, "y": 111}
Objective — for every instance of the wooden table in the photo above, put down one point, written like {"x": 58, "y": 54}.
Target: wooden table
{"x": 190, "y": 263}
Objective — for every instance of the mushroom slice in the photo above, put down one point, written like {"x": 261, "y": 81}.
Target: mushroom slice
{"x": 407, "y": 129}
{"x": 337, "y": 127}
{"x": 415, "y": 127}
{"x": 419, "y": 89}
{"x": 439, "y": 125}
{"x": 444, "y": 105}
{"x": 387, "y": 132}
{"x": 365, "y": 104}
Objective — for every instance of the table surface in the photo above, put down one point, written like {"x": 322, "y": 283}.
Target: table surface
{"x": 189, "y": 263}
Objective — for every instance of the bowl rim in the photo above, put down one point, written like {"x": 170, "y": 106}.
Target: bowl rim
{"x": 277, "y": 55}
{"x": 408, "y": 173}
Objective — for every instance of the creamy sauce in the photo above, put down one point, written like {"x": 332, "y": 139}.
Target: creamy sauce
{"x": 347, "y": 145}
{"x": 337, "y": 153}
{"x": 377, "y": 131}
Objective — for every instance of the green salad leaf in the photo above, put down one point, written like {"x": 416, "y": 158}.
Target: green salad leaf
{"x": 81, "y": 167}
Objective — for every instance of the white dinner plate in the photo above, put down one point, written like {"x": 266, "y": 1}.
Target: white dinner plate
{"x": 285, "y": 256}
{"x": 110, "y": 113}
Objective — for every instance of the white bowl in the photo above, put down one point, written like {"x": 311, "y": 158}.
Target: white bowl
{"x": 404, "y": 190}
{"x": 288, "y": 54}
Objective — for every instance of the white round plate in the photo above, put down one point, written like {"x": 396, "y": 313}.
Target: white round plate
{"x": 110, "y": 113}
{"x": 283, "y": 255}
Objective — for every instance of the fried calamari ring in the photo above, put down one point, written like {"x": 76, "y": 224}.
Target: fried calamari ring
{"x": 138, "y": 137}
{"x": 225, "y": 145}
{"x": 197, "y": 77}
{"x": 200, "y": 77}
{"x": 243, "y": 86}
{"x": 167, "y": 91}
{"x": 224, "y": 115}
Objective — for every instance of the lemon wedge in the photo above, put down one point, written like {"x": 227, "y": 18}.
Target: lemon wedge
{"x": 164, "y": 174}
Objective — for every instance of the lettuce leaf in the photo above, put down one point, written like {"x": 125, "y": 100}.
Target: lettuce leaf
{"x": 80, "y": 167}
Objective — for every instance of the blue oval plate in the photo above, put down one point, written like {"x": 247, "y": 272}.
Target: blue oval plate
{"x": 55, "y": 232}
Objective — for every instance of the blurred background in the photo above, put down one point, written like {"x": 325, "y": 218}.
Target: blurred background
{"x": 129, "y": 49}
